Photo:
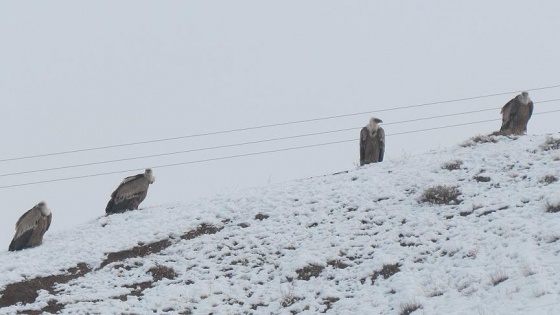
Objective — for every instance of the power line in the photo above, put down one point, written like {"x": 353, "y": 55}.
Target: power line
{"x": 463, "y": 124}
{"x": 247, "y": 143}
{"x": 249, "y": 154}
{"x": 270, "y": 125}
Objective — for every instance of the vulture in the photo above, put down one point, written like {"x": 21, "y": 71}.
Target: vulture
{"x": 516, "y": 114}
{"x": 31, "y": 227}
{"x": 130, "y": 193}
{"x": 372, "y": 142}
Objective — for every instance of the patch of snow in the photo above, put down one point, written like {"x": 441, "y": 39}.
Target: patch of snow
{"x": 324, "y": 244}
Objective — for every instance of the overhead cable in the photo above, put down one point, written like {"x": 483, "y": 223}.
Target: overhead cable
{"x": 248, "y": 154}
{"x": 243, "y": 143}
{"x": 269, "y": 125}
{"x": 226, "y": 145}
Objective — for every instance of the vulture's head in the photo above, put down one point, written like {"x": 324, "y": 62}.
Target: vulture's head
{"x": 149, "y": 175}
{"x": 44, "y": 209}
{"x": 373, "y": 124}
{"x": 524, "y": 98}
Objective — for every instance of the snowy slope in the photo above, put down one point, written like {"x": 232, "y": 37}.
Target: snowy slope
{"x": 359, "y": 242}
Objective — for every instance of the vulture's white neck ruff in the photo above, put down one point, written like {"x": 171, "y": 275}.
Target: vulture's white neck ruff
{"x": 372, "y": 126}
{"x": 524, "y": 98}
{"x": 150, "y": 176}
{"x": 44, "y": 209}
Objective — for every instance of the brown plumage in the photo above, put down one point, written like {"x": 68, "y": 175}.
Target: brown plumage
{"x": 372, "y": 142}
{"x": 516, "y": 114}
{"x": 130, "y": 193}
{"x": 31, "y": 227}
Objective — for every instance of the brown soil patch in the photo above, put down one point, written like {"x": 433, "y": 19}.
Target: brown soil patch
{"x": 159, "y": 272}
{"x": 337, "y": 264}
{"x": 201, "y": 230}
{"x": 385, "y": 272}
{"x": 137, "y": 289}
{"x": 156, "y": 247}
{"x": 137, "y": 251}
{"x": 310, "y": 271}
{"x": 26, "y": 291}
{"x": 52, "y": 308}
{"x": 261, "y": 216}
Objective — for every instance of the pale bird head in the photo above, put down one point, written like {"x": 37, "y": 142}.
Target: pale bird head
{"x": 373, "y": 124}
{"x": 43, "y": 207}
{"x": 149, "y": 175}
{"x": 524, "y": 98}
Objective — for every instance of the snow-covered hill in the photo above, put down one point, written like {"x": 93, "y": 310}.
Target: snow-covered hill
{"x": 367, "y": 241}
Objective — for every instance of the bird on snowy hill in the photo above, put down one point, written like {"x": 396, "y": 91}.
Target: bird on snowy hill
{"x": 516, "y": 114}
{"x": 372, "y": 142}
{"x": 130, "y": 193}
{"x": 31, "y": 227}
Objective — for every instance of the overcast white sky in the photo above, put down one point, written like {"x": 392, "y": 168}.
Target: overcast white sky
{"x": 83, "y": 74}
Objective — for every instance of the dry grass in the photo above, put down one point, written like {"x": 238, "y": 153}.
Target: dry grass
{"x": 435, "y": 293}
{"x": 498, "y": 277}
{"x": 480, "y": 139}
{"x": 549, "y": 179}
{"x": 442, "y": 195}
{"x": 387, "y": 271}
{"x": 328, "y": 302}
{"x": 552, "y": 239}
{"x": 527, "y": 271}
{"x": 408, "y": 308}
{"x": 482, "y": 179}
{"x": 539, "y": 292}
{"x": 452, "y": 165}
{"x": 550, "y": 143}
{"x": 288, "y": 297}
{"x": 552, "y": 208}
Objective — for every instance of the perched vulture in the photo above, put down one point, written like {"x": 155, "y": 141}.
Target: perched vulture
{"x": 372, "y": 142}
{"x": 130, "y": 193}
{"x": 31, "y": 227}
{"x": 516, "y": 114}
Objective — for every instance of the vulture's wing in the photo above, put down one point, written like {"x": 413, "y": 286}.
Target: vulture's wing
{"x": 131, "y": 187}
{"x": 28, "y": 221}
{"x": 21, "y": 241}
{"x": 530, "y": 110}
{"x": 124, "y": 183}
{"x": 381, "y": 137}
{"x": 130, "y": 178}
{"x": 48, "y": 219}
{"x": 363, "y": 139}
{"x": 508, "y": 113}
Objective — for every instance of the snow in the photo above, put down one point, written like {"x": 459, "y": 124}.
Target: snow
{"x": 345, "y": 228}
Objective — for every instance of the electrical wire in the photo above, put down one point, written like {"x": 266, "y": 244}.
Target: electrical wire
{"x": 225, "y": 146}
{"x": 249, "y": 154}
{"x": 247, "y": 143}
{"x": 268, "y": 126}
